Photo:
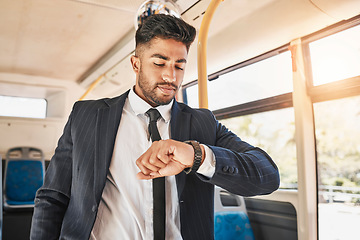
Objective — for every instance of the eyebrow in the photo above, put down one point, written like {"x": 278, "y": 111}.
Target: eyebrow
{"x": 157, "y": 55}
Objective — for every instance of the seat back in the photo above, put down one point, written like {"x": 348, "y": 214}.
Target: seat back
{"x": 230, "y": 218}
{"x": 24, "y": 175}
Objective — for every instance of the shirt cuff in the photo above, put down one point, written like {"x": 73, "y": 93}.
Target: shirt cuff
{"x": 207, "y": 168}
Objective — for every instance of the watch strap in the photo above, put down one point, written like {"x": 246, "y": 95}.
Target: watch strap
{"x": 197, "y": 156}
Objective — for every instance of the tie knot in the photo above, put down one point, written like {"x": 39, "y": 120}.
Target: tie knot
{"x": 153, "y": 114}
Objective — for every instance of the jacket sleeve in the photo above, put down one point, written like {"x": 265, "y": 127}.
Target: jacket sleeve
{"x": 240, "y": 167}
{"x": 52, "y": 198}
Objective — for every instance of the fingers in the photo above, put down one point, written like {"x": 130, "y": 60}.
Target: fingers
{"x": 149, "y": 161}
{"x": 142, "y": 176}
{"x": 164, "y": 158}
{"x": 152, "y": 175}
{"x": 153, "y": 159}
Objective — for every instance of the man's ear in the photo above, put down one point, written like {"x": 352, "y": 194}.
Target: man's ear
{"x": 135, "y": 63}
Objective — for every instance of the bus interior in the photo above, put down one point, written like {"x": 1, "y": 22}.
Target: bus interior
{"x": 282, "y": 74}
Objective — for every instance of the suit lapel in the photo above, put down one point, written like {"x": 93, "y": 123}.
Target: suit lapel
{"x": 108, "y": 120}
{"x": 180, "y": 131}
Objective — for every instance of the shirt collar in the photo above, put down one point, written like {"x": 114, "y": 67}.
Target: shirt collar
{"x": 140, "y": 106}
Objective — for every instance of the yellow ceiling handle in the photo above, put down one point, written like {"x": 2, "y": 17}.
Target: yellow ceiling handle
{"x": 201, "y": 51}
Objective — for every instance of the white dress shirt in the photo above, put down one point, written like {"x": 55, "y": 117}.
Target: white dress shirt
{"x": 125, "y": 209}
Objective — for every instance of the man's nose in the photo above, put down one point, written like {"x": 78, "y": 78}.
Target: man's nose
{"x": 169, "y": 75}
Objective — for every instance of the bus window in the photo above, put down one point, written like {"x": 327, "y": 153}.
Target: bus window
{"x": 336, "y": 57}
{"x": 274, "y": 132}
{"x": 22, "y": 107}
{"x": 266, "y": 78}
{"x": 338, "y": 161}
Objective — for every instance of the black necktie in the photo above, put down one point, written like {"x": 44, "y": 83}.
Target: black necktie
{"x": 158, "y": 183}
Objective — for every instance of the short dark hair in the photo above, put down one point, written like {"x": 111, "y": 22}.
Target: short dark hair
{"x": 165, "y": 27}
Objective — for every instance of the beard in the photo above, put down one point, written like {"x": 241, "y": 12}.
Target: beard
{"x": 149, "y": 90}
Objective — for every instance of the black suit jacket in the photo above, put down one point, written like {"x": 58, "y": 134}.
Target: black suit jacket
{"x": 66, "y": 205}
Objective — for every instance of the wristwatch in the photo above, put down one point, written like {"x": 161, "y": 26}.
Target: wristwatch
{"x": 197, "y": 156}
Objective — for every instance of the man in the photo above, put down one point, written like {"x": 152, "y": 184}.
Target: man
{"x": 97, "y": 184}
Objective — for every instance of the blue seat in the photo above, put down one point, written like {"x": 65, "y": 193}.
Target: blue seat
{"x": 232, "y": 225}
{"x": 24, "y": 175}
{"x": 231, "y": 220}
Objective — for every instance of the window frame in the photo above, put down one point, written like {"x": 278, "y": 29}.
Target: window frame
{"x": 344, "y": 88}
{"x": 313, "y": 94}
{"x": 257, "y": 106}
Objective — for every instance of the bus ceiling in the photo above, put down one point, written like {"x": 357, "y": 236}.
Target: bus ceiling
{"x": 81, "y": 40}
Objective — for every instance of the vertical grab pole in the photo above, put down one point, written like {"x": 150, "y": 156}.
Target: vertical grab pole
{"x": 201, "y": 53}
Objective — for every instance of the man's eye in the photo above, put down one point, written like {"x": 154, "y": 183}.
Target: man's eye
{"x": 159, "y": 64}
{"x": 180, "y": 68}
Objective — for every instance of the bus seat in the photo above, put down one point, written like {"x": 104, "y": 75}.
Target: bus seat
{"x": 24, "y": 174}
{"x": 230, "y": 219}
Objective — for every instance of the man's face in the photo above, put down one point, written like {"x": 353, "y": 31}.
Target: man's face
{"x": 159, "y": 70}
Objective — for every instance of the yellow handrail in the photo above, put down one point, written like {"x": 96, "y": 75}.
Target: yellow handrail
{"x": 91, "y": 87}
{"x": 202, "y": 44}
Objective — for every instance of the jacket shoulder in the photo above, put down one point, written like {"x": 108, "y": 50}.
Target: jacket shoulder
{"x": 100, "y": 103}
{"x": 195, "y": 111}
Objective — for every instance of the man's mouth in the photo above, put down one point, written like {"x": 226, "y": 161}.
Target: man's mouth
{"x": 167, "y": 89}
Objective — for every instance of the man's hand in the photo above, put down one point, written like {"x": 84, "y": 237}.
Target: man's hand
{"x": 165, "y": 158}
